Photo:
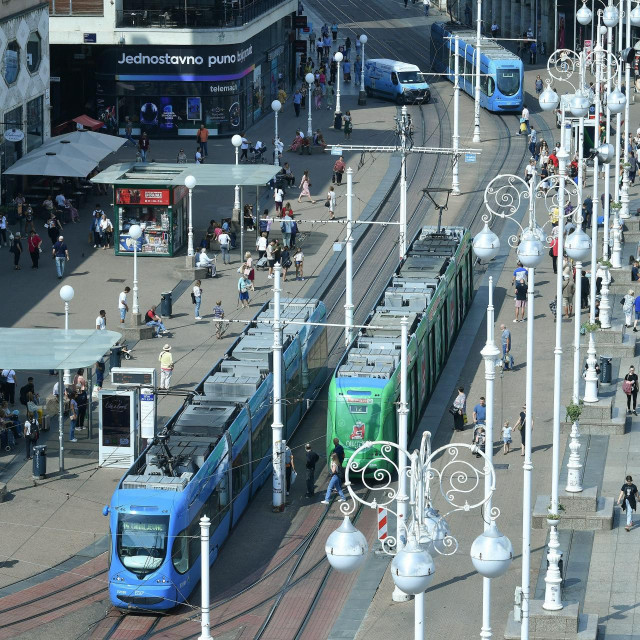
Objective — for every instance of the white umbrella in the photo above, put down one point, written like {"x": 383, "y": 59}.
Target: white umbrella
{"x": 51, "y": 163}
{"x": 92, "y": 144}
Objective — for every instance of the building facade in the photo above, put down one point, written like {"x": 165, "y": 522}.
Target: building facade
{"x": 169, "y": 69}
{"x": 24, "y": 86}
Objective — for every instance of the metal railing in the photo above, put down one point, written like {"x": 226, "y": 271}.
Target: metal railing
{"x": 228, "y": 13}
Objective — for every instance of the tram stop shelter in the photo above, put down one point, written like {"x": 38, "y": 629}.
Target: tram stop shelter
{"x": 154, "y": 196}
{"x": 54, "y": 349}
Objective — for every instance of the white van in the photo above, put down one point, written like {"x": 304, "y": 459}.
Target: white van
{"x": 399, "y": 81}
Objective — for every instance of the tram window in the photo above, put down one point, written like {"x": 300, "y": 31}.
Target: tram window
{"x": 508, "y": 81}
{"x": 452, "y": 59}
{"x": 261, "y": 437}
{"x": 240, "y": 473}
{"x": 180, "y": 553}
{"x": 491, "y": 86}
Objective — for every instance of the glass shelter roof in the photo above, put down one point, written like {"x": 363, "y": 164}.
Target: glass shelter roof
{"x": 44, "y": 349}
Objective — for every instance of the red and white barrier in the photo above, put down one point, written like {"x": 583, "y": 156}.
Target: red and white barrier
{"x": 382, "y": 523}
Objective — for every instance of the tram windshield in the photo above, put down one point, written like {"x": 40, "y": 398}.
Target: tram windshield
{"x": 508, "y": 81}
{"x": 142, "y": 541}
{"x": 410, "y": 77}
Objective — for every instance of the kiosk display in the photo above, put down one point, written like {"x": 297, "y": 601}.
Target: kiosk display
{"x": 118, "y": 413}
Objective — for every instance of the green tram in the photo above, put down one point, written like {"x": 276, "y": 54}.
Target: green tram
{"x": 433, "y": 287}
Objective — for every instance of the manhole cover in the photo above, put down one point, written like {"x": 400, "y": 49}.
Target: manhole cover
{"x": 500, "y": 466}
{"x": 116, "y": 280}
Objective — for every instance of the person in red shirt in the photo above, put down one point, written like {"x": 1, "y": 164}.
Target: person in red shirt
{"x": 553, "y": 158}
{"x": 34, "y": 248}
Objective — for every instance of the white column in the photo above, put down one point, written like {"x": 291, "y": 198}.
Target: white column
{"x": 574, "y": 474}
{"x": 348, "y": 296}
{"x": 61, "y": 388}
{"x": 527, "y": 466}
{"x": 190, "y": 230}
{"x": 455, "y": 181}
{"x": 624, "y": 195}
{"x": 136, "y": 305}
{"x": 418, "y": 632}
{"x": 403, "y": 413}
{"x": 476, "y": 112}
{"x": 490, "y": 354}
{"x": 236, "y": 189}
{"x": 276, "y": 159}
{"x": 338, "y": 108}
{"x": 277, "y": 426}
{"x": 362, "y": 98}
{"x": 67, "y": 372}
{"x": 552, "y": 598}
{"x": 205, "y": 625}
{"x": 577, "y": 301}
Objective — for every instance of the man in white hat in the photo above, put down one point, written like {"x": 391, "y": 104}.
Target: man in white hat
{"x": 166, "y": 366}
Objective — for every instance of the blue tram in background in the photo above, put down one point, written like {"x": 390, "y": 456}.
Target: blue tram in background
{"x": 502, "y": 72}
{"x": 210, "y": 459}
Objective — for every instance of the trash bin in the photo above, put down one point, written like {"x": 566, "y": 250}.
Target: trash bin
{"x": 337, "y": 121}
{"x": 115, "y": 357}
{"x": 605, "y": 369}
{"x": 166, "y": 304}
{"x": 40, "y": 461}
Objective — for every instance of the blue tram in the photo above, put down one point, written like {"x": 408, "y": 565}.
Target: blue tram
{"x": 210, "y": 459}
{"x": 501, "y": 72}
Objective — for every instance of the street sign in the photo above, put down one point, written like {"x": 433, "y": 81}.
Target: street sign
{"x": 54, "y": 78}
{"x": 469, "y": 157}
{"x": 147, "y": 413}
{"x": 336, "y": 151}
{"x": 89, "y": 38}
{"x": 14, "y": 135}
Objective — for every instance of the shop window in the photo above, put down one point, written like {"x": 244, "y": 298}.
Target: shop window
{"x": 34, "y": 123}
{"x": 12, "y": 151}
{"x": 11, "y": 62}
{"x": 34, "y": 48}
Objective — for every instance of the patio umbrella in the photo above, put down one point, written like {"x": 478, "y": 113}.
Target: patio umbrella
{"x": 92, "y": 144}
{"x": 50, "y": 163}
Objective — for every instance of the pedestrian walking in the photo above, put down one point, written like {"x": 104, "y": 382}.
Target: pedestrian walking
{"x": 197, "y": 298}
{"x": 630, "y": 387}
{"x": 427, "y": 6}
{"x": 243, "y": 291}
{"x": 506, "y": 437}
{"x": 480, "y": 413}
{"x": 348, "y": 125}
{"x": 538, "y": 85}
{"x": 305, "y": 184}
{"x": 166, "y": 366}
{"x": 83, "y": 403}
{"x": 338, "y": 171}
{"x": 525, "y": 117}
{"x": 521, "y": 426}
{"x": 633, "y": 167}
{"x": 218, "y": 316}
{"x": 521, "y": 300}
{"x": 3, "y": 230}
{"x": 298, "y": 259}
{"x": 568, "y": 291}
{"x": 101, "y": 320}
{"x": 16, "y": 249}
{"x": 310, "y": 465}
{"x": 128, "y": 131}
{"x": 627, "y": 498}
{"x": 505, "y": 338}
{"x": 533, "y": 143}
{"x": 458, "y": 410}
{"x": 8, "y": 385}
{"x": 335, "y": 482}
{"x": 31, "y": 434}
{"x": 331, "y": 202}
{"x": 202, "y": 139}
{"x": 106, "y": 231}
{"x": 60, "y": 254}
{"x": 480, "y": 440}
{"x": 627, "y": 307}
{"x": 34, "y": 245}
{"x": 73, "y": 415}
{"x": 224, "y": 240}
{"x": 123, "y": 307}
{"x": 143, "y": 146}
{"x": 100, "y": 368}
{"x": 297, "y": 101}
{"x": 249, "y": 271}
{"x": 244, "y": 148}
{"x": 338, "y": 449}
{"x": 289, "y": 467}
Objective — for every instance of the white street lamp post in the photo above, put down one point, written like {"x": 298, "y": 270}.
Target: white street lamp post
{"x": 412, "y": 567}
{"x": 476, "y": 109}
{"x": 236, "y": 141}
{"x": 362, "y": 98}
{"x": 66, "y": 294}
{"x": 403, "y": 126}
{"x": 135, "y": 231}
{"x": 348, "y": 297}
{"x": 338, "y": 58}
{"x": 277, "y": 426}
{"x": 276, "y": 105}
{"x": 310, "y": 79}
{"x": 455, "y": 180}
{"x": 190, "y": 183}
{"x": 205, "y": 625}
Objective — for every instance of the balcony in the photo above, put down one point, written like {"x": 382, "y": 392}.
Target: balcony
{"x": 76, "y": 7}
{"x": 141, "y": 14}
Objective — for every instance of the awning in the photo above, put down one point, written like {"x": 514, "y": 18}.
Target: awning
{"x": 206, "y": 175}
{"x": 89, "y": 123}
{"x": 57, "y": 349}
{"x": 73, "y": 154}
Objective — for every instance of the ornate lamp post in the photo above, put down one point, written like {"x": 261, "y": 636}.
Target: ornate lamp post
{"x": 362, "y": 97}
{"x": 337, "y": 123}
{"x": 310, "y": 79}
{"x": 135, "y": 231}
{"x": 276, "y": 105}
{"x": 190, "y": 183}
{"x": 460, "y": 484}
